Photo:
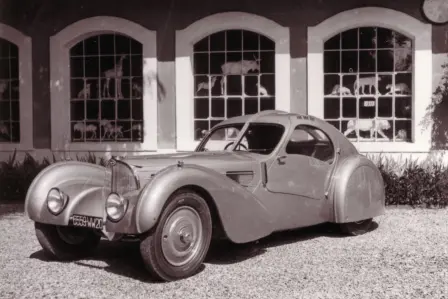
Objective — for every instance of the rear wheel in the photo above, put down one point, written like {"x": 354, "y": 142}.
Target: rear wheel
{"x": 177, "y": 247}
{"x": 66, "y": 243}
{"x": 357, "y": 228}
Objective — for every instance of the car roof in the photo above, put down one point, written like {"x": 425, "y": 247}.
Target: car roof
{"x": 283, "y": 117}
{"x": 273, "y": 116}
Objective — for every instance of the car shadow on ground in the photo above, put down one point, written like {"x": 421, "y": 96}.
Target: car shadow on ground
{"x": 123, "y": 258}
{"x": 224, "y": 252}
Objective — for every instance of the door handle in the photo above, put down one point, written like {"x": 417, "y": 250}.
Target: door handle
{"x": 281, "y": 159}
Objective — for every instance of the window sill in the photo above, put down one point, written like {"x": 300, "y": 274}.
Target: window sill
{"x": 20, "y": 147}
{"x": 391, "y": 147}
{"x": 113, "y": 147}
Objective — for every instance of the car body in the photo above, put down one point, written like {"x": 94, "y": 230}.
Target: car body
{"x": 250, "y": 176}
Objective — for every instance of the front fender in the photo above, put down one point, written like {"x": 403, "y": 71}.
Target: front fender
{"x": 82, "y": 182}
{"x": 243, "y": 216}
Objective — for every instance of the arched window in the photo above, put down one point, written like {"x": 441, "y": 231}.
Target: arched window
{"x": 368, "y": 84}
{"x": 234, "y": 74}
{"x": 106, "y": 89}
{"x": 369, "y": 71}
{"x": 213, "y": 51}
{"x": 9, "y": 92}
{"x": 104, "y": 86}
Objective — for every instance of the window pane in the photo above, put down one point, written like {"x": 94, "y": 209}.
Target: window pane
{"x": 309, "y": 141}
{"x": 106, "y": 79}
{"x": 373, "y": 87}
{"x": 234, "y": 72}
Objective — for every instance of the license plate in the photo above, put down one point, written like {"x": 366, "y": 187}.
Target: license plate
{"x": 86, "y": 221}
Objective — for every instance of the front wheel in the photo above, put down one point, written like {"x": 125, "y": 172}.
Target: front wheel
{"x": 66, "y": 243}
{"x": 178, "y": 245}
{"x": 357, "y": 228}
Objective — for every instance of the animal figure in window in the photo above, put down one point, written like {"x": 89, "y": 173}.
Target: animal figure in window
{"x": 110, "y": 130}
{"x": 3, "y": 87}
{"x": 372, "y": 125}
{"x": 136, "y": 127}
{"x": 262, "y": 90}
{"x": 114, "y": 73}
{"x": 399, "y": 88}
{"x": 4, "y": 130}
{"x": 107, "y": 127}
{"x": 137, "y": 90}
{"x": 85, "y": 92}
{"x": 401, "y": 135}
{"x": 242, "y": 67}
{"x": 139, "y": 129}
{"x": 116, "y": 131}
{"x": 83, "y": 129}
{"x": 369, "y": 82}
{"x": 340, "y": 90}
{"x": 206, "y": 85}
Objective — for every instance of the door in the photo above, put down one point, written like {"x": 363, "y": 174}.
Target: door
{"x": 303, "y": 164}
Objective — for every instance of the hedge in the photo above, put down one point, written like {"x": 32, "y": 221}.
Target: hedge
{"x": 409, "y": 183}
{"x": 16, "y": 176}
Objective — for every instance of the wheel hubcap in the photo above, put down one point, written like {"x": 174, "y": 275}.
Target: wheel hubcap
{"x": 182, "y": 236}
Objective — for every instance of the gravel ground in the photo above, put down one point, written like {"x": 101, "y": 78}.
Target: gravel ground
{"x": 406, "y": 256}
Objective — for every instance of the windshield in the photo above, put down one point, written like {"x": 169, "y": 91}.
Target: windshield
{"x": 261, "y": 138}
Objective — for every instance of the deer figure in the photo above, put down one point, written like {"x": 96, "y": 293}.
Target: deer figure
{"x": 116, "y": 73}
{"x": 241, "y": 67}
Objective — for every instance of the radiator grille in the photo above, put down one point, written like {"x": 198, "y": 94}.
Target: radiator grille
{"x": 123, "y": 178}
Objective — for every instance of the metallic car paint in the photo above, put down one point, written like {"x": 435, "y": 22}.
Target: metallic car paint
{"x": 246, "y": 213}
{"x": 80, "y": 181}
{"x": 359, "y": 190}
{"x": 127, "y": 225}
{"x": 243, "y": 216}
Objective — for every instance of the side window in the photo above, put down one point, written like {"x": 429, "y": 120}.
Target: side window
{"x": 310, "y": 141}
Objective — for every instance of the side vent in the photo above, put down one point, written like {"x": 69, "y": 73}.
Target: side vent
{"x": 243, "y": 178}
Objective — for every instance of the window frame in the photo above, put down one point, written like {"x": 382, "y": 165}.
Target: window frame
{"x": 421, "y": 36}
{"x": 304, "y": 128}
{"x": 24, "y": 44}
{"x": 188, "y": 37}
{"x": 60, "y": 45}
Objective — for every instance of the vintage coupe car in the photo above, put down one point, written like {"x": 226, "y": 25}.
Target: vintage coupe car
{"x": 250, "y": 176}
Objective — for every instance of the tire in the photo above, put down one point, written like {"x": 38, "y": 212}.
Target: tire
{"x": 57, "y": 245}
{"x": 193, "y": 236}
{"x": 357, "y": 228}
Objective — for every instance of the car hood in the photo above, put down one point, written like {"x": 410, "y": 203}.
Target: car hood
{"x": 218, "y": 161}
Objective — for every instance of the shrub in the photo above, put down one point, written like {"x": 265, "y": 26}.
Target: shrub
{"x": 16, "y": 176}
{"x": 407, "y": 183}
{"x": 414, "y": 184}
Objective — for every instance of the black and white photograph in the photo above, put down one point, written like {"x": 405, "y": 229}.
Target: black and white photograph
{"x": 233, "y": 149}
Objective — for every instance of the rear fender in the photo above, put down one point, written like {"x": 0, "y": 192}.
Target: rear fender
{"x": 358, "y": 190}
{"x": 82, "y": 182}
{"x": 243, "y": 216}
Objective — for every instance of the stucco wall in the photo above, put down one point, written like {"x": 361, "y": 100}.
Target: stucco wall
{"x": 42, "y": 21}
